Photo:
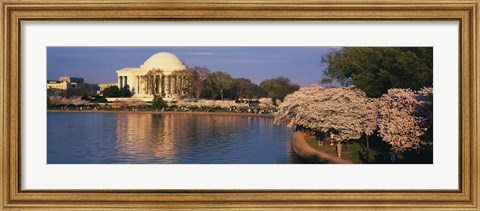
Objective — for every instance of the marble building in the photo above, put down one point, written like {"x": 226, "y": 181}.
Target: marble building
{"x": 163, "y": 74}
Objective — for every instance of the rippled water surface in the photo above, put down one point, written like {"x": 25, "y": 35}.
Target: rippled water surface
{"x": 99, "y": 138}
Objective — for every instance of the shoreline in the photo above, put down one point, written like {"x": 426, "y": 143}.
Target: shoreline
{"x": 163, "y": 112}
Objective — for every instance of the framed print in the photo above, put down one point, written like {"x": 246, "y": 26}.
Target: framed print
{"x": 239, "y": 105}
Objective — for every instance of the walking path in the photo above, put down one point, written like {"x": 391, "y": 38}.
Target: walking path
{"x": 309, "y": 155}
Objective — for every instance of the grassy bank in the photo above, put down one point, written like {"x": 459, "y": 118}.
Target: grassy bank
{"x": 379, "y": 152}
{"x": 354, "y": 153}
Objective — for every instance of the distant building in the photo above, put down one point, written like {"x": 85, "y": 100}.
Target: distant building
{"x": 102, "y": 87}
{"x": 76, "y": 81}
{"x": 92, "y": 88}
{"x": 62, "y": 85}
{"x": 65, "y": 82}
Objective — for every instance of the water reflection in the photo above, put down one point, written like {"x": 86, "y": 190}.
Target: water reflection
{"x": 144, "y": 137}
{"x": 168, "y": 138}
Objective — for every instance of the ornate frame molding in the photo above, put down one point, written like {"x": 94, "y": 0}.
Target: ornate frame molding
{"x": 15, "y": 12}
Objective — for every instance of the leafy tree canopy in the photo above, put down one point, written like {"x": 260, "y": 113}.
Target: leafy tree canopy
{"x": 158, "y": 103}
{"x": 243, "y": 87}
{"x": 76, "y": 91}
{"x": 222, "y": 81}
{"x": 377, "y": 69}
{"x": 198, "y": 75}
{"x": 209, "y": 88}
{"x": 59, "y": 92}
{"x": 125, "y": 91}
{"x": 112, "y": 91}
{"x": 278, "y": 88}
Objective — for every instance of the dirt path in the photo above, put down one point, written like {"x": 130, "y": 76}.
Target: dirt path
{"x": 310, "y": 155}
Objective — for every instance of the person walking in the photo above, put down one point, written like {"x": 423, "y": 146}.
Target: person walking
{"x": 339, "y": 149}
{"x": 393, "y": 157}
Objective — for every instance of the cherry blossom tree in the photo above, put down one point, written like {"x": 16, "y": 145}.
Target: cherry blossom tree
{"x": 403, "y": 120}
{"x": 369, "y": 124}
{"x": 266, "y": 103}
{"x": 131, "y": 103}
{"x": 73, "y": 100}
{"x": 326, "y": 109}
{"x": 210, "y": 104}
{"x": 58, "y": 100}
{"x": 426, "y": 96}
{"x": 77, "y": 101}
{"x": 342, "y": 112}
{"x": 278, "y": 102}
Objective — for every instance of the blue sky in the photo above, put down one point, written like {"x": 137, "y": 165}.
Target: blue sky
{"x": 98, "y": 64}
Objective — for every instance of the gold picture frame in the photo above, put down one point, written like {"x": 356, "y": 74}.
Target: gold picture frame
{"x": 15, "y": 12}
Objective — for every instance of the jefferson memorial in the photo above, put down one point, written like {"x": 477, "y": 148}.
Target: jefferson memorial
{"x": 163, "y": 74}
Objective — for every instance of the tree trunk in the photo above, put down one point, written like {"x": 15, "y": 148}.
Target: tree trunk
{"x": 325, "y": 139}
{"x": 368, "y": 147}
{"x": 346, "y": 146}
{"x": 221, "y": 94}
{"x": 197, "y": 93}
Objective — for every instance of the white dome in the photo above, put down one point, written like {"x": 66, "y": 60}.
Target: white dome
{"x": 165, "y": 61}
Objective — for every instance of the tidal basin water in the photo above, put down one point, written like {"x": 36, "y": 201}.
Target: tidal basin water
{"x": 146, "y": 138}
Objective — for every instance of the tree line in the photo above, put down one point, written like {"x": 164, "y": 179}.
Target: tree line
{"x": 219, "y": 85}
